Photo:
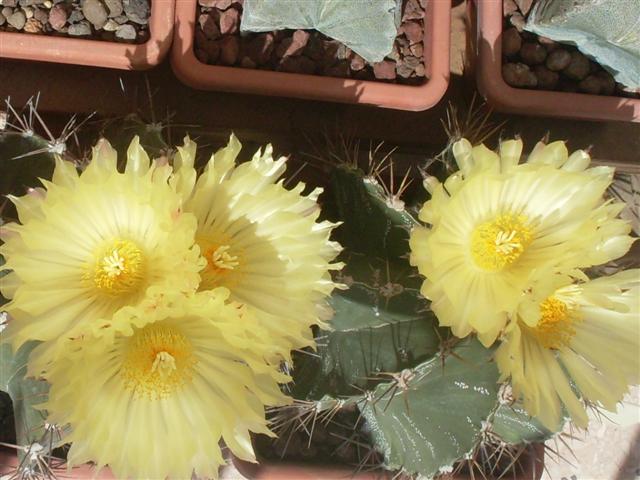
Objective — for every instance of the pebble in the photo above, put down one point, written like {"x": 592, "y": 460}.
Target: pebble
{"x": 6, "y": 12}
{"x": 607, "y": 81}
{"x": 219, "y": 4}
{"x": 80, "y": 29}
{"x": 126, "y": 32}
{"x": 590, "y": 84}
{"x": 110, "y": 26}
{"x": 547, "y": 80}
{"x": 115, "y": 7}
{"x": 41, "y": 15}
{"x": 75, "y": 16}
{"x": 95, "y": 12}
{"x": 9, "y": 3}
{"x": 413, "y": 10}
{"x": 260, "y": 48}
{"x": 533, "y": 53}
{"x": 137, "y": 10}
{"x": 413, "y": 31}
{"x": 2, "y": 19}
{"x": 511, "y": 42}
{"x": 578, "y": 67}
{"x": 558, "y": 60}
{"x": 17, "y": 20}
{"x": 58, "y": 17}
{"x": 121, "y": 19}
{"x": 209, "y": 26}
{"x": 229, "y": 50}
{"x": 357, "y": 62}
{"x": 229, "y": 21}
{"x": 509, "y": 7}
{"x": 519, "y": 75}
{"x": 524, "y": 6}
{"x": 298, "y": 64}
{"x": 384, "y": 70}
{"x": 28, "y": 12}
{"x": 33, "y": 26}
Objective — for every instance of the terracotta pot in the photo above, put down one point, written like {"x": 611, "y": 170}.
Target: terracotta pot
{"x": 48, "y": 48}
{"x": 533, "y": 468}
{"x": 233, "y": 79}
{"x": 534, "y": 102}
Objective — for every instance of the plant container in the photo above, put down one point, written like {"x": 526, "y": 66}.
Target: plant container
{"x": 95, "y": 53}
{"x": 502, "y": 97}
{"x": 200, "y": 76}
{"x": 533, "y": 466}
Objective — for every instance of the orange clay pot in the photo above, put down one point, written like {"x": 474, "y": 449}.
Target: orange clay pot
{"x": 124, "y": 56}
{"x": 488, "y": 50}
{"x": 533, "y": 468}
{"x": 314, "y": 87}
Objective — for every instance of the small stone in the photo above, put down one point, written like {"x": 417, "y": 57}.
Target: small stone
{"x": 17, "y": 20}
{"x": 517, "y": 21}
{"x": 357, "y": 63}
{"x": 591, "y": 85}
{"x": 533, "y": 53}
{"x": 403, "y": 70}
{"x": 94, "y": 11}
{"x": 213, "y": 50}
{"x": 229, "y": 50}
{"x": 558, "y": 60}
{"x": 384, "y": 70}
{"x": 121, "y": 19}
{"x": 524, "y": 6}
{"x": 519, "y": 75}
{"x": 511, "y": 41}
{"x": 28, "y": 12}
{"x": 547, "y": 80}
{"x": 330, "y": 51}
{"x": 412, "y": 11}
{"x": 126, "y": 32}
{"x": 47, "y": 4}
{"x": 315, "y": 48}
{"x": 6, "y": 12}
{"x": 80, "y": 29}
{"x": 549, "y": 44}
{"x": 75, "y": 17}
{"x": 340, "y": 69}
{"x": 417, "y": 50}
{"x": 209, "y": 26}
{"x": 2, "y": 19}
{"x": 58, "y": 17}
{"x": 111, "y": 25}
{"x": 259, "y": 49}
{"x": 26, "y": 3}
{"x": 9, "y": 3}
{"x": 137, "y": 10}
{"x": 41, "y": 15}
{"x": 299, "y": 64}
{"x": 33, "y": 26}
{"x": 301, "y": 38}
{"x": 607, "y": 81}
{"x": 219, "y": 4}
{"x": 509, "y": 7}
{"x": 578, "y": 67}
{"x": 413, "y": 31}
{"x": 343, "y": 52}
{"x": 420, "y": 70}
{"x": 246, "y": 62}
{"x": 115, "y": 7}
{"x": 229, "y": 21}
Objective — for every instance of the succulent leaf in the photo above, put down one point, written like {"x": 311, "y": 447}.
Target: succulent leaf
{"x": 428, "y": 426}
{"x": 514, "y": 426}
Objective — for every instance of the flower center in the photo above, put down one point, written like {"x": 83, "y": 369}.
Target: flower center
{"x": 555, "y": 329}
{"x": 219, "y": 258}
{"x": 499, "y": 243}
{"x": 158, "y": 360}
{"x": 119, "y": 269}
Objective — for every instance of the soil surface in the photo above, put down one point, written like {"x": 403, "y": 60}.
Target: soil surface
{"x": 218, "y": 42}
{"x": 109, "y": 20}
{"x": 532, "y": 61}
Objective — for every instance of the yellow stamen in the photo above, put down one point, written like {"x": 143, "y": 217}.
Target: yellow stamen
{"x": 555, "y": 329}
{"x": 219, "y": 258}
{"x": 119, "y": 269}
{"x": 158, "y": 360}
{"x": 499, "y": 243}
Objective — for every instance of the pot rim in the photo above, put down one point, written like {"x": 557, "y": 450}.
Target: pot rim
{"x": 314, "y": 87}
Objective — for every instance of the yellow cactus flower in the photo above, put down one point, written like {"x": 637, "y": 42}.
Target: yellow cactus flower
{"x": 492, "y": 224}
{"x": 154, "y": 402}
{"x": 90, "y": 246}
{"x": 581, "y": 333}
{"x": 261, "y": 240}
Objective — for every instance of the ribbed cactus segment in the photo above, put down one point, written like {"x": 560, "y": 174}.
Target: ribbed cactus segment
{"x": 513, "y": 425}
{"x": 374, "y": 224}
{"x": 431, "y": 416}
{"x": 23, "y": 159}
{"x": 24, "y": 392}
{"x": 121, "y": 132}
